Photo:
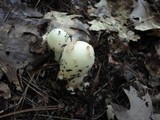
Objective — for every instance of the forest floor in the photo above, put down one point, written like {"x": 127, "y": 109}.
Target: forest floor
{"x": 124, "y": 80}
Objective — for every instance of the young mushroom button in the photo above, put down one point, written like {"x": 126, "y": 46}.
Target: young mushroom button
{"x": 76, "y": 60}
{"x": 57, "y": 39}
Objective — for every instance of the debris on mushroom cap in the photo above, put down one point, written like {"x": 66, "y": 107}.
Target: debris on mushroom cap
{"x": 57, "y": 39}
{"x": 77, "y": 59}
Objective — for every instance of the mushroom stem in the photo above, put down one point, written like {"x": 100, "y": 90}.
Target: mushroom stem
{"x": 77, "y": 83}
{"x": 57, "y": 55}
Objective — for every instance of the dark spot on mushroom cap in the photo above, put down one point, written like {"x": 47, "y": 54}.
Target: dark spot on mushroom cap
{"x": 63, "y": 45}
{"x": 69, "y": 70}
{"x": 59, "y": 32}
{"x": 78, "y": 75}
{"x": 79, "y": 70}
{"x": 73, "y": 81}
{"x": 73, "y": 75}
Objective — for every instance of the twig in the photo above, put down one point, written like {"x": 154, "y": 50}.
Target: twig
{"x": 48, "y": 108}
{"x": 37, "y": 3}
{"x": 96, "y": 80}
{"x": 100, "y": 89}
{"x": 96, "y": 117}
{"x": 41, "y": 91}
{"x": 25, "y": 92}
{"x": 10, "y": 13}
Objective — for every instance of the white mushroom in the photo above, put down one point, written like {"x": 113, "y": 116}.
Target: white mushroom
{"x": 76, "y": 60}
{"x": 57, "y": 39}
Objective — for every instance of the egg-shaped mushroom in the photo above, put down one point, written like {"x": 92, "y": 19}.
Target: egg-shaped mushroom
{"x": 76, "y": 60}
{"x": 57, "y": 39}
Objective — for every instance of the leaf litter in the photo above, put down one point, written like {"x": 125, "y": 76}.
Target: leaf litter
{"x": 74, "y": 27}
{"x": 126, "y": 43}
{"x": 144, "y": 19}
{"x": 140, "y": 108}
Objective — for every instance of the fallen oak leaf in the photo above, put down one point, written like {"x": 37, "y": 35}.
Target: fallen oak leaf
{"x": 140, "y": 108}
{"x": 142, "y": 16}
{"x": 15, "y": 55}
{"x": 67, "y": 22}
{"x": 110, "y": 19}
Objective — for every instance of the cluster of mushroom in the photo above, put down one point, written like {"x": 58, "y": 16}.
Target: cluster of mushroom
{"x": 75, "y": 58}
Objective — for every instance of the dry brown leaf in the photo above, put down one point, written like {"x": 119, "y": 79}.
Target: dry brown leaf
{"x": 108, "y": 22}
{"x": 14, "y": 54}
{"x": 74, "y": 27}
{"x": 141, "y": 108}
{"x": 142, "y": 16}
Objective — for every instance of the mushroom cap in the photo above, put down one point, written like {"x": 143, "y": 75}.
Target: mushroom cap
{"x": 76, "y": 60}
{"x": 57, "y": 39}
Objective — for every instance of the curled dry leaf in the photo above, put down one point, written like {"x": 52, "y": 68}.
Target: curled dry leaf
{"x": 142, "y": 16}
{"x": 140, "y": 108}
{"x": 15, "y": 54}
{"x": 106, "y": 21}
{"x": 15, "y": 43}
{"x": 74, "y": 27}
